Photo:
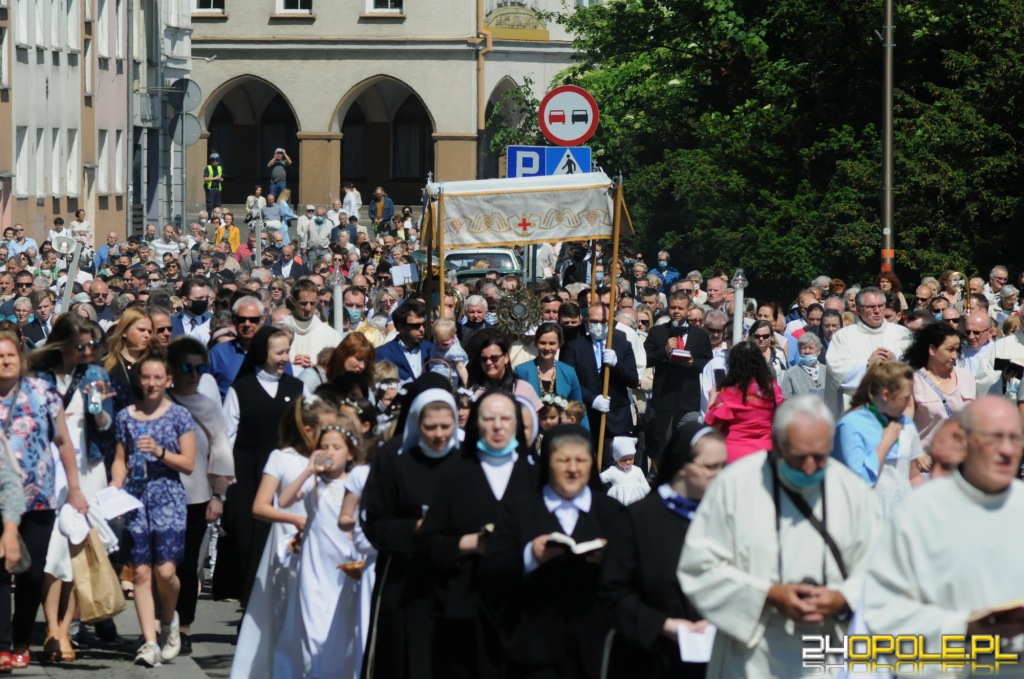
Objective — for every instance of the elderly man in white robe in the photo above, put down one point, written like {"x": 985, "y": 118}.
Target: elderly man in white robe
{"x": 852, "y": 348}
{"x": 757, "y": 566}
{"x": 951, "y": 553}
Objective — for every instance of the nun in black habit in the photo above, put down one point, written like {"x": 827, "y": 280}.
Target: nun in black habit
{"x": 494, "y": 464}
{"x": 639, "y": 584}
{"x": 400, "y": 490}
{"x": 555, "y": 627}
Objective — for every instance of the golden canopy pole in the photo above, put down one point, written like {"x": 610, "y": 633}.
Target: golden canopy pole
{"x": 439, "y": 223}
{"x": 616, "y": 225}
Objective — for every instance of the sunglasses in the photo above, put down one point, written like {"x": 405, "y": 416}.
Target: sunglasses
{"x": 178, "y": 309}
{"x": 762, "y": 338}
{"x": 491, "y": 359}
{"x": 255, "y": 320}
{"x": 322, "y": 271}
{"x": 24, "y": 285}
{"x": 645, "y": 324}
{"x": 189, "y": 369}
{"x": 414, "y": 326}
{"x": 163, "y": 330}
{"x": 87, "y": 346}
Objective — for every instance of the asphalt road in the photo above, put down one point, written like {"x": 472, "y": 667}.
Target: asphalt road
{"x": 213, "y": 637}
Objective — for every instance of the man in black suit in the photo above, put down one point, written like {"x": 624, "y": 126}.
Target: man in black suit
{"x": 676, "y": 378}
{"x": 288, "y": 267}
{"x": 589, "y": 355}
{"x": 42, "y": 306}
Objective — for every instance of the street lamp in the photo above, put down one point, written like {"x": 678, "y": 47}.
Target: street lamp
{"x": 739, "y": 282}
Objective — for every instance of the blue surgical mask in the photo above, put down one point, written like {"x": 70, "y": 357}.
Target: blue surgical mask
{"x": 600, "y": 276}
{"x": 354, "y": 315}
{"x": 809, "y": 360}
{"x": 938, "y": 316}
{"x": 662, "y": 264}
{"x": 482, "y": 446}
{"x": 491, "y": 318}
{"x": 797, "y": 479}
{"x": 598, "y": 331}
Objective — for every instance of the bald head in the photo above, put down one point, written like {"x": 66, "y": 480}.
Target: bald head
{"x": 948, "y": 448}
{"x": 978, "y": 327}
{"x": 995, "y": 443}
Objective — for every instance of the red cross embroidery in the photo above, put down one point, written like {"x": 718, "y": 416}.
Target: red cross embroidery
{"x": 525, "y": 223}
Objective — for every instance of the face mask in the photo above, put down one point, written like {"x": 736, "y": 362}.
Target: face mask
{"x": 354, "y": 315}
{"x": 199, "y": 307}
{"x": 319, "y": 220}
{"x": 491, "y": 318}
{"x": 482, "y": 446}
{"x": 662, "y": 264}
{"x": 600, "y": 276}
{"x": 938, "y": 316}
{"x": 598, "y": 331}
{"x": 570, "y": 332}
{"x": 630, "y": 262}
{"x": 809, "y": 360}
{"x": 797, "y": 479}
{"x": 577, "y": 257}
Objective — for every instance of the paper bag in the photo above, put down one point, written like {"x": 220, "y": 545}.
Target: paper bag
{"x": 96, "y": 585}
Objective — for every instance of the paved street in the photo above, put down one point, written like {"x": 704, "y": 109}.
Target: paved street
{"x": 213, "y": 637}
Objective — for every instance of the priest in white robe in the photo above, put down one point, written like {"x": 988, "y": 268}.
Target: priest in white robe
{"x": 952, "y": 551}
{"x": 1010, "y": 348}
{"x": 853, "y": 347}
{"x": 751, "y": 555}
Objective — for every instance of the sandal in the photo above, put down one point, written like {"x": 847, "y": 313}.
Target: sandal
{"x": 128, "y": 589}
{"x": 51, "y": 651}
{"x": 6, "y": 664}
{"x": 20, "y": 657}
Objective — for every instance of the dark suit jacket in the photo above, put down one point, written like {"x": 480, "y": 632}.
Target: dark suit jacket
{"x": 579, "y": 354}
{"x": 33, "y": 332}
{"x": 394, "y": 351}
{"x": 676, "y": 388}
{"x": 298, "y": 270}
{"x": 178, "y": 322}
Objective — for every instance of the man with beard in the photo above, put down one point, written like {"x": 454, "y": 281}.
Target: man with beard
{"x": 311, "y": 335}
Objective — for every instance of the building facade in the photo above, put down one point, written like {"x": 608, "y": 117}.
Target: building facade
{"x": 66, "y": 70}
{"x": 376, "y": 92}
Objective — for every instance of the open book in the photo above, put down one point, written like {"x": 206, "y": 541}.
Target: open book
{"x": 1009, "y": 612}
{"x": 576, "y": 547}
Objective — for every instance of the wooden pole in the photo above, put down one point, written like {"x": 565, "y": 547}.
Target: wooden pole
{"x": 428, "y": 240}
{"x": 616, "y": 225}
{"x": 440, "y": 247}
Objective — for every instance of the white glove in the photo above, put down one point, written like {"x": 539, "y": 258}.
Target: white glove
{"x": 609, "y": 357}
{"x": 602, "y": 404}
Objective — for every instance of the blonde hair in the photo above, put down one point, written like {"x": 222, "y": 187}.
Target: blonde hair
{"x": 444, "y": 326}
{"x": 118, "y": 338}
{"x": 882, "y": 375}
{"x": 305, "y": 413}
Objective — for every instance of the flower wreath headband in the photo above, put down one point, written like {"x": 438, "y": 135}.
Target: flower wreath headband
{"x": 555, "y": 400}
{"x": 353, "y": 440}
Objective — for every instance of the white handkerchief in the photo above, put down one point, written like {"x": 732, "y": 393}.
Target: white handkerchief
{"x": 696, "y": 646}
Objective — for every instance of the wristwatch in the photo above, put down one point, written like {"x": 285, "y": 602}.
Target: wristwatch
{"x": 221, "y": 496}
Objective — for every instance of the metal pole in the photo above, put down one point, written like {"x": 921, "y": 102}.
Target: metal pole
{"x": 888, "y": 46}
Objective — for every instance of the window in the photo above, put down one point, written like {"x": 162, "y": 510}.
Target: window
{"x": 102, "y": 30}
{"x": 74, "y": 23}
{"x": 74, "y": 164}
{"x": 384, "y": 6}
{"x": 210, "y": 5}
{"x": 56, "y": 162}
{"x": 304, "y": 6}
{"x": 119, "y": 161}
{"x": 119, "y": 46}
{"x": 87, "y": 67}
{"x": 41, "y": 154}
{"x": 39, "y": 14}
{"x": 21, "y": 161}
{"x": 5, "y": 66}
{"x": 56, "y": 24}
{"x": 102, "y": 164}
{"x": 21, "y": 23}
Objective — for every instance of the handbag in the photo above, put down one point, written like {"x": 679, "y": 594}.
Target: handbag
{"x": 97, "y": 587}
{"x": 25, "y": 562}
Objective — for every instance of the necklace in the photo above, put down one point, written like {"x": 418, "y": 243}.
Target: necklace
{"x": 550, "y": 387}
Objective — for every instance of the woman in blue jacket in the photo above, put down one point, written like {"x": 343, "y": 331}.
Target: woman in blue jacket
{"x": 547, "y": 375}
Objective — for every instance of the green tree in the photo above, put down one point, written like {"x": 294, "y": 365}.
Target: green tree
{"x": 748, "y": 131}
{"x": 513, "y": 118}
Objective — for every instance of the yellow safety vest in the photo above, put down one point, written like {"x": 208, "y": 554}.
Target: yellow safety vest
{"x": 210, "y": 173}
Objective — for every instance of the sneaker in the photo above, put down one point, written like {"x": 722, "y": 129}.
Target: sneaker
{"x": 148, "y": 655}
{"x": 170, "y": 639}
{"x": 186, "y": 644}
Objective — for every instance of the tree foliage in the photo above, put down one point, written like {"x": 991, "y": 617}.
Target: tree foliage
{"x": 749, "y": 132}
{"x": 513, "y": 119}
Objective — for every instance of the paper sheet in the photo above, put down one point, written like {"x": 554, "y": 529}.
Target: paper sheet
{"x": 696, "y": 646}
{"x": 115, "y": 502}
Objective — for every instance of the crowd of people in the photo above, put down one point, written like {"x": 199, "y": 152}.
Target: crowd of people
{"x": 411, "y": 490}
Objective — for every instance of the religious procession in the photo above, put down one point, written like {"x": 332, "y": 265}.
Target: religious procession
{"x": 489, "y": 442}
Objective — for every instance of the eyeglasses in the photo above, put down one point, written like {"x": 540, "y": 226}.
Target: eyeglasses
{"x": 873, "y": 307}
{"x": 163, "y": 330}
{"x": 154, "y": 280}
{"x": 761, "y": 338}
{"x": 971, "y": 333}
{"x": 323, "y": 271}
{"x": 714, "y": 331}
{"x": 274, "y": 288}
{"x": 923, "y": 300}
{"x": 98, "y": 295}
{"x": 188, "y": 369}
{"x": 414, "y": 326}
{"x": 645, "y": 324}
{"x": 172, "y": 265}
{"x": 178, "y": 309}
{"x": 991, "y": 437}
{"x": 255, "y": 320}
{"x": 490, "y": 359}
{"x": 87, "y": 346}
{"x": 24, "y": 285}
{"x": 999, "y": 279}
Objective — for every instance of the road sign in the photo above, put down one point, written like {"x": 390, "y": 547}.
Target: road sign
{"x": 541, "y": 161}
{"x": 568, "y": 115}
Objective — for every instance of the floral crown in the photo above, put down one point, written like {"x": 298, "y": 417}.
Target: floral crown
{"x": 554, "y": 400}
{"x": 352, "y": 438}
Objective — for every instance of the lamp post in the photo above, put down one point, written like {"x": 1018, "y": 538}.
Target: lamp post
{"x": 739, "y": 282}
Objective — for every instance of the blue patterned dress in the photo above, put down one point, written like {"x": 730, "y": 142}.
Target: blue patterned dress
{"x": 155, "y": 533}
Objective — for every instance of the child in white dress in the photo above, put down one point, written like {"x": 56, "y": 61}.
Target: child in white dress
{"x": 628, "y": 482}
{"x": 328, "y": 597}
{"x": 270, "y": 626}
